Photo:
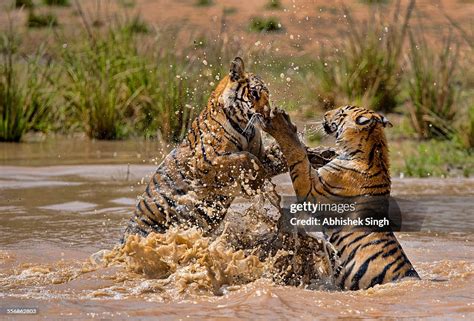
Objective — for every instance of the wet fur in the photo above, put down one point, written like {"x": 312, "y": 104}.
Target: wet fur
{"x": 362, "y": 168}
{"x": 220, "y": 158}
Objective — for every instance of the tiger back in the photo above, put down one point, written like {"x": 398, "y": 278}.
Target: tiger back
{"x": 365, "y": 258}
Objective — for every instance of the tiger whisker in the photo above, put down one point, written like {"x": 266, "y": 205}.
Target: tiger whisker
{"x": 318, "y": 128}
{"x": 256, "y": 118}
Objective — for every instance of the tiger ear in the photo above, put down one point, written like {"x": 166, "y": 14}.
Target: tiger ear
{"x": 237, "y": 69}
{"x": 385, "y": 122}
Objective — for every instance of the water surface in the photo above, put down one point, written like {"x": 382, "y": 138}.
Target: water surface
{"x": 56, "y": 211}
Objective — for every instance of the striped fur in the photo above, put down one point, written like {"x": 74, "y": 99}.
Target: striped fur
{"x": 217, "y": 161}
{"x": 362, "y": 168}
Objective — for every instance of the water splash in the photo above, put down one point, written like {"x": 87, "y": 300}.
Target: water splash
{"x": 188, "y": 259}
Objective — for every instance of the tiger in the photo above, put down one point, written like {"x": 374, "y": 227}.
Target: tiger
{"x": 365, "y": 258}
{"x": 221, "y": 157}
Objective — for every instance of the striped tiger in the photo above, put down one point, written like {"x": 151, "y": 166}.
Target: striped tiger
{"x": 221, "y": 157}
{"x": 362, "y": 169}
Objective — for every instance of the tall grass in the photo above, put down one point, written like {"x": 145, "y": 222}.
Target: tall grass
{"x": 464, "y": 127}
{"x": 274, "y": 5}
{"x": 204, "y": 3}
{"x": 41, "y": 20}
{"x": 375, "y": 2}
{"x": 115, "y": 89}
{"x": 97, "y": 93}
{"x": 433, "y": 87}
{"x": 260, "y": 24}
{"x": 437, "y": 158}
{"x": 171, "y": 96}
{"x": 62, "y": 3}
{"x": 136, "y": 25}
{"x": 24, "y": 3}
{"x": 25, "y": 95}
{"x": 365, "y": 67}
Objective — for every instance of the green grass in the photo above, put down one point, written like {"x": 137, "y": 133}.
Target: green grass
{"x": 127, "y": 3}
{"x": 365, "y": 68}
{"x": 274, "y": 5}
{"x": 464, "y": 129}
{"x": 24, "y": 3}
{"x": 62, "y": 3}
{"x": 229, "y": 10}
{"x": 97, "y": 95}
{"x": 436, "y": 159}
{"x": 41, "y": 20}
{"x": 260, "y": 24}
{"x": 204, "y": 3}
{"x": 115, "y": 90}
{"x": 136, "y": 25}
{"x": 375, "y": 2}
{"x": 128, "y": 79}
{"x": 25, "y": 95}
{"x": 432, "y": 87}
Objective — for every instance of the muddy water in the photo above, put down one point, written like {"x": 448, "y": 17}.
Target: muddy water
{"x": 55, "y": 212}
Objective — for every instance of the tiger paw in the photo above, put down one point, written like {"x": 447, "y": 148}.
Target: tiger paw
{"x": 278, "y": 122}
{"x": 274, "y": 162}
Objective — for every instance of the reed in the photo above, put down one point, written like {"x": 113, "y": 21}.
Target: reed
{"x": 61, "y": 3}
{"x": 365, "y": 67}
{"x": 274, "y": 5}
{"x": 433, "y": 87}
{"x": 25, "y": 91}
{"x": 260, "y": 24}
{"x": 24, "y": 4}
{"x": 204, "y": 3}
{"x": 116, "y": 88}
{"x": 41, "y": 20}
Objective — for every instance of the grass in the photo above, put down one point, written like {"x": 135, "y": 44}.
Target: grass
{"x": 260, "y": 24}
{"x": 127, "y": 3}
{"x": 204, "y": 3}
{"x": 41, "y": 20}
{"x": 464, "y": 134}
{"x": 229, "y": 10}
{"x": 97, "y": 94}
{"x": 62, "y": 3}
{"x": 274, "y": 5}
{"x": 170, "y": 103}
{"x": 433, "y": 88}
{"x": 24, "y": 96}
{"x": 115, "y": 90}
{"x": 136, "y": 25}
{"x": 365, "y": 67}
{"x": 375, "y": 2}
{"x": 130, "y": 80}
{"x": 24, "y": 4}
{"x": 434, "y": 159}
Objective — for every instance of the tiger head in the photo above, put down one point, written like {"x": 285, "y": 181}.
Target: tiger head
{"x": 243, "y": 94}
{"x": 351, "y": 124}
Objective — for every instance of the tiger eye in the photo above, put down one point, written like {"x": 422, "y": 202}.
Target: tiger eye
{"x": 254, "y": 93}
